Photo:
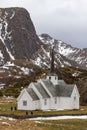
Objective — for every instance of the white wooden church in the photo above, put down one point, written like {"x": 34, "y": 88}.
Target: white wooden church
{"x": 49, "y": 94}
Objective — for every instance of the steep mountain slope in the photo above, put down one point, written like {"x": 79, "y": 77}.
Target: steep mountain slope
{"x": 65, "y": 54}
{"x": 18, "y": 39}
{"x": 18, "y": 42}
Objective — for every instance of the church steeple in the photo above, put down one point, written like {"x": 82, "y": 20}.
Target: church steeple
{"x": 52, "y": 76}
{"x": 52, "y": 61}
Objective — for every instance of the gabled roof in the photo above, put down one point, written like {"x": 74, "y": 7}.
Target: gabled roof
{"x": 61, "y": 82}
{"x": 60, "y": 90}
{"x": 41, "y": 90}
{"x": 49, "y": 85}
{"x": 64, "y": 90}
{"x": 32, "y": 94}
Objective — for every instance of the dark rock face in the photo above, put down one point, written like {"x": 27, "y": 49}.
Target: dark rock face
{"x": 18, "y": 39}
{"x": 46, "y": 36}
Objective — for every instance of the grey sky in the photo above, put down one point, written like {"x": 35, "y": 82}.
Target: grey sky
{"x": 65, "y": 20}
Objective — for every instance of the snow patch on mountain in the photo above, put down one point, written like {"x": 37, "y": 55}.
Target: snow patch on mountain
{"x": 37, "y": 61}
{"x": 1, "y": 55}
{"x": 67, "y": 63}
{"x": 13, "y": 14}
{"x": 2, "y": 86}
{"x": 22, "y": 70}
{"x": 7, "y": 65}
{"x": 4, "y": 34}
{"x": 76, "y": 74}
{"x": 64, "y": 50}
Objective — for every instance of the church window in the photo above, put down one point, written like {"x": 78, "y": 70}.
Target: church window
{"x": 24, "y": 103}
{"x": 74, "y": 98}
{"x": 45, "y": 101}
{"x": 55, "y": 100}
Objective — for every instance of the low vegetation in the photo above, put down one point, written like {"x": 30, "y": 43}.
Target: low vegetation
{"x": 6, "y": 124}
{"x": 63, "y": 125}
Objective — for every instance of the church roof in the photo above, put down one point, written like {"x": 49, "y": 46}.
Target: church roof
{"x": 60, "y": 90}
{"x": 64, "y": 90}
{"x": 32, "y": 94}
{"x": 61, "y": 82}
{"x": 41, "y": 90}
{"x": 49, "y": 85}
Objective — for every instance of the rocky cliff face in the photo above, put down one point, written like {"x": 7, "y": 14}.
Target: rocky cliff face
{"x": 18, "y": 39}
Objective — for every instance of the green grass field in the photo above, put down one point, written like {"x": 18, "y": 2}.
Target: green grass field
{"x": 63, "y": 125}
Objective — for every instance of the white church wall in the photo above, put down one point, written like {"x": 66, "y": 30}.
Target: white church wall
{"x": 61, "y": 103}
{"x": 64, "y": 103}
{"x": 45, "y": 103}
{"x": 75, "y": 98}
{"x": 36, "y": 105}
{"x": 53, "y": 103}
{"x": 57, "y": 103}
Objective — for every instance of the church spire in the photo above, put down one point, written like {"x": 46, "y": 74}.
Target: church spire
{"x": 52, "y": 61}
{"x": 52, "y": 76}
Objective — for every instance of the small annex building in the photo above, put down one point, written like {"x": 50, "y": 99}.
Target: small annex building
{"x": 49, "y": 94}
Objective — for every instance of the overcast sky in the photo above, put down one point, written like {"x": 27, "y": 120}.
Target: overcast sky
{"x": 65, "y": 20}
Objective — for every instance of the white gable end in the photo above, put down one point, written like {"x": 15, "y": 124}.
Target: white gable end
{"x": 75, "y": 98}
{"x": 25, "y": 101}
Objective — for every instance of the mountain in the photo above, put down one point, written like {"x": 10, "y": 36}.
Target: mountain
{"x": 18, "y": 42}
{"x": 65, "y": 54}
{"x": 18, "y": 39}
